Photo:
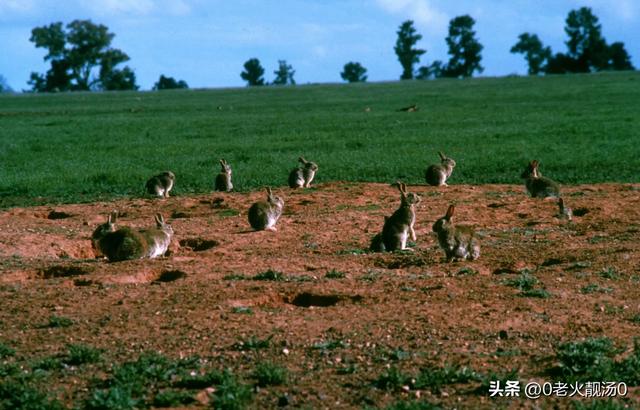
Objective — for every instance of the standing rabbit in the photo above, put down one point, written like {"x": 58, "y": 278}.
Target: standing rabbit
{"x": 160, "y": 185}
{"x": 302, "y": 176}
{"x": 458, "y": 242}
{"x": 399, "y": 226}
{"x": 264, "y": 214}
{"x": 537, "y": 185}
{"x": 126, "y": 243}
{"x": 437, "y": 175}
{"x": 564, "y": 212}
{"x": 223, "y": 179}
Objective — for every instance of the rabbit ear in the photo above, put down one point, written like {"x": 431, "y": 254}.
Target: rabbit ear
{"x": 301, "y": 159}
{"x": 449, "y": 213}
{"x": 113, "y": 216}
{"x": 534, "y": 163}
{"x": 222, "y": 162}
{"x": 269, "y": 193}
{"x": 159, "y": 219}
{"x": 442, "y": 156}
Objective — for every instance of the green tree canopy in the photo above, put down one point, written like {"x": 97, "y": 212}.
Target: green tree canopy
{"x": 534, "y": 51}
{"x": 81, "y": 58}
{"x": 253, "y": 72}
{"x": 169, "y": 83}
{"x": 464, "y": 48}
{"x": 284, "y": 74}
{"x": 405, "y": 49}
{"x": 354, "y": 72}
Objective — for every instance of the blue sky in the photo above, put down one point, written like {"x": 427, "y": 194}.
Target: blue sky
{"x": 206, "y": 42}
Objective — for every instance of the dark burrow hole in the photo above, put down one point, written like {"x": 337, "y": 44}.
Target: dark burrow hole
{"x": 307, "y": 299}
{"x": 62, "y": 271}
{"x": 199, "y": 244}
{"x": 580, "y": 211}
{"x": 58, "y": 215}
{"x": 170, "y": 276}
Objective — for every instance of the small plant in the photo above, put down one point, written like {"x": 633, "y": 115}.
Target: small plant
{"x": 231, "y": 394}
{"x": 48, "y": 364}
{"x": 82, "y": 354}
{"x": 524, "y": 282}
{"x": 270, "y": 274}
{"x": 269, "y": 374}
{"x": 335, "y": 274}
{"x": 467, "y": 271}
{"x": 592, "y": 288}
{"x": 635, "y": 319}
{"x": 392, "y": 379}
{"x": 59, "y": 321}
{"x": 6, "y": 351}
{"x": 610, "y": 273}
{"x": 587, "y": 359}
{"x": 245, "y": 310}
{"x": 329, "y": 345}
{"x": 172, "y": 398}
{"x": 535, "y": 293}
{"x": 14, "y": 395}
{"x": 412, "y": 405}
{"x": 253, "y": 343}
{"x": 435, "y": 378}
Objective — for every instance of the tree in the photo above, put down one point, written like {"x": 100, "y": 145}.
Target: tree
{"x": 354, "y": 73}
{"x": 169, "y": 83}
{"x": 253, "y": 72}
{"x": 407, "y": 54}
{"x": 75, "y": 55}
{"x": 534, "y": 52}
{"x": 619, "y": 59}
{"x": 284, "y": 74}
{"x": 464, "y": 49}
{"x": 4, "y": 85}
{"x": 586, "y": 45}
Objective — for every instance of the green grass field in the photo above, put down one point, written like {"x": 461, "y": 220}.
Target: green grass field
{"x": 88, "y": 146}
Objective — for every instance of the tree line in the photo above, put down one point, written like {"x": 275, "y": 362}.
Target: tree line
{"x": 81, "y": 57}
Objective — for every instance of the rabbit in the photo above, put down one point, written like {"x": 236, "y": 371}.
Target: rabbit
{"x": 223, "y": 179}
{"x": 537, "y": 185}
{"x": 377, "y": 245}
{"x": 160, "y": 185}
{"x": 564, "y": 212}
{"x": 302, "y": 176}
{"x": 264, "y": 214}
{"x": 437, "y": 175}
{"x": 399, "y": 226}
{"x": 126, "y": 243}
{"x": 458, "y": 242}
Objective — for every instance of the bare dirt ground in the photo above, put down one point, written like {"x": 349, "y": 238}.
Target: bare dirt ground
{"x": 335, "y": 335}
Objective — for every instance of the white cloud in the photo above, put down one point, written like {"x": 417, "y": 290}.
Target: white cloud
{"x": 122, "y": 6}
{"x": 421, "y": 11}
{"x": 15, "y": 6}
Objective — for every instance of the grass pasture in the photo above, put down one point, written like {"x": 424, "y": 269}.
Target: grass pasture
{"x": 82, "y": 147}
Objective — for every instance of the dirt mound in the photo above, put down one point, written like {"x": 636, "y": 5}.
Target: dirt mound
{"x": 339, "y": 318}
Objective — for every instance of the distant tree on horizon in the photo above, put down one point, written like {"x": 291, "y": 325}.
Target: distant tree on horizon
{"x": 587, "y": 49}
{"x": 405, "y": 49}
{"x": 169, "y": 83}
{"x": 536, "y": 54}
{"x": 284, "y": 74}
{"x": 4, "y": 85}
{"x": 354, "y": 72}
{"x": 76, "y": 54}
{"x": 253, "y": 72}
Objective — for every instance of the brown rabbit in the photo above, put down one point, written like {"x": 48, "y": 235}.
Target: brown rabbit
{"x": 437, "y": 175}
{"x": 161, "y": 184}
{"x": 399, "y": 226}
{"x": 537, "y": 185}
{"x": 302, "y": 176}
{"x": 264, "y": 214}
{"x": 458, "y": 242}
{"x": 126, "y": 243}
{"x": 223, "y": 179}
